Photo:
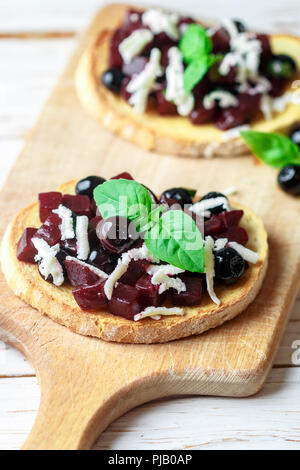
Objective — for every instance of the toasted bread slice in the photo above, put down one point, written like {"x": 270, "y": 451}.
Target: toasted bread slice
{"x": 166, "y": 134}
{"x": 59, "y": 304}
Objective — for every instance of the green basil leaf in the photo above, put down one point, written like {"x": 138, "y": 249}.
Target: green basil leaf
{"x": 194, "y": 72}
{"x": 275, "y": 150}
{"x": 126, "y": 198}
{"x": 176, "y": 240}
{"x": 194, "y": 43}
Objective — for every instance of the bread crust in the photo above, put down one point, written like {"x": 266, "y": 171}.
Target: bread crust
{"x": 165, "y": 134}
{"x": 59, "y": 304}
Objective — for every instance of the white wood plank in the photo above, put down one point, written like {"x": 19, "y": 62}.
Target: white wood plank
{"x": 269, "y": 420}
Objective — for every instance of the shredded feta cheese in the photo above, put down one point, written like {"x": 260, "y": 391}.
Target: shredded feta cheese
{"x": 156, "y": 312}
{"x": 160, "y": 276}
{"x": 142, "y": 84}
{"x": 210, "y": 268}
{"x": 266, "y": 107}
{"x": 92, "y": 268}
{"x": 234, "y": 133}
{"x": 66, "y": 226}
{"x": 48, "y": 263}
{"x": 175, "y": 91}
{"x": 224, "y": 98}
{"x": 270, "y": 105}
{"x": 161, "y": 22}
{"x": 200, "y": 207}
{"x": 245, "y": 253}
{"x": 220, "y": 243}
{"x": 134, "y": 44}
{"x": 83, "y": 247}
{"x": 113, "y": 278}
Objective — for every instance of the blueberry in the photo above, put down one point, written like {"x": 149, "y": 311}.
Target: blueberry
{"x": 295, "y": 135}
{"x": 112, "y": 79}
{"x": 172, "y": 196}
{"x": 289, "y": 179}
{"x": 212, "y": 195}
{"x": 282, "y": 66}
{"x": 86, "y": 186}
{"x": 229, "y": 265}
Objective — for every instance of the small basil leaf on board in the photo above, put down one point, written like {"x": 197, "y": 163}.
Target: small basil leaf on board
{"x": 274, "y": 149}
{"x": 194, "y": 42}
{"x": 194, "y": 72}
{"x": 126, "y": 198}
{"x": 176, "y": 240}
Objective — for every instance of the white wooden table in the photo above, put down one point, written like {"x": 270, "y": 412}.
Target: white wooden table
{"x": 36, "y": 39}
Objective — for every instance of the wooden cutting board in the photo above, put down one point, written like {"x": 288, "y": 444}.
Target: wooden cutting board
{"x": 87, "y": 383}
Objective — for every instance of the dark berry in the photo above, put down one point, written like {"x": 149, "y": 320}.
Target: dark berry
{"x": 180, "y": 195}
{"x": 229, "y": 265}
{"x": 295, "y": 135}
{"x": 86, "y": 186}
{"x": 116, "y": 234}
{"x": 282, "y": 66}
{"x": 112, "y": 79}
{"x": 212, "y": 195}
{"x": 289, "y": 179}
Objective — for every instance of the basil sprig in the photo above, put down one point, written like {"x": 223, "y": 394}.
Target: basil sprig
{"x": 196, "y": 47}
{"x": 274, "y": 149}
{"x": 173, "y": 236}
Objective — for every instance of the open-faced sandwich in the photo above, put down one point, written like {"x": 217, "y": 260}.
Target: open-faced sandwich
{"x": 171, "y": 84}
{"x": 111, "y": 260}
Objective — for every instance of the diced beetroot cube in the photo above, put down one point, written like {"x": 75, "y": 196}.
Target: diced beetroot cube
{"x": 125, "y": 301}
{"x": 93, "y": 239}
{"x": 201, "y": 115}
{"x": 50, "y": 231}
{"x": 70, "y": 246}
{"x": 149, "y": 295}
{"x": 124, "y": 176}
{"x": 220, "y": 40}
{"x": 95, "y": 221}
{"x": 230, "y": 218}
{"x": 235, "y": 234}
{"x": 132, "y": 18}
{"x": 93, "y": 208}
{"x": 48, "y": 202}
{"x": 25, "y": 249}
{"x": 164, "y": 107}
{"x": 91, "y": 297}
{"x": 134, "y": 67}
{"x": 213, "y": 226}
{"x": 79, "y": 274}
{"x": 135, "y": 270}
{"x": 81, "y": 205}
{"x": 193, "y": 293}
{"x": 115, "y": 59}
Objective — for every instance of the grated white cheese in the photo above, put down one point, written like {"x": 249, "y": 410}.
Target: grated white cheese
{"x": 202, "y": 206}
{"x": 234, "y": 133}
{"x": 175, "y": 90}
{"x": 224, "y": 99}
{"x": 160, "y": 21}
{"x": 266, "y": 107}
{"x": 142, "y": 84}
{"x": 122, "y": 266}
{"x": 156, "y": 312}
{"x": 270, "y": 105}
{"x": 220, "y": 243}
{"x": 83, "y": 247}
{"x": 134, "y": 44}
{"x": 48, "y": 263}
{"x": 160, "y": 276}
{"x": 245, "y": 253}
{"x": 210, "y": 268}
{"x": 66, "y": 226}
{"x": 92, "y": 268}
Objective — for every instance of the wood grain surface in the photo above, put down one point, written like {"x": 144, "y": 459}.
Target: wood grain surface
{"x": 27, "y": 193}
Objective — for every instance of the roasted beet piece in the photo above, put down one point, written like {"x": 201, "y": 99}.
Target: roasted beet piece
{"x": 80, "y": 205}
{"x": 70, "y": 246}
{"x": 278, "y": 85}
{"x": 230, "y": 218}
{"x": 124, "y": 176}
{"x": 149, "y": 295}
{"x": 234, "y": 116}
{"x": 114, "y": 57}
{"x": 50, "y": 231}
{"x": 201, "y": 115}
{"x": 48, "y": 202}
{"x": 135, "y": 270}
{"x": 213, "y": 226}
{"x": 235, "y": 234}
{"x": 220, "y": 40}
{"x": 266, "y": 46}
{"x": 193, "y": 293}
{"x": 164, "y": 107}
{"x": 79, "y": 274}
{"x": 95, "y": 221}
{"x": 25, "y": 249}
{"x": 91, "y": 297}
{"x": 125, "y": 301}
